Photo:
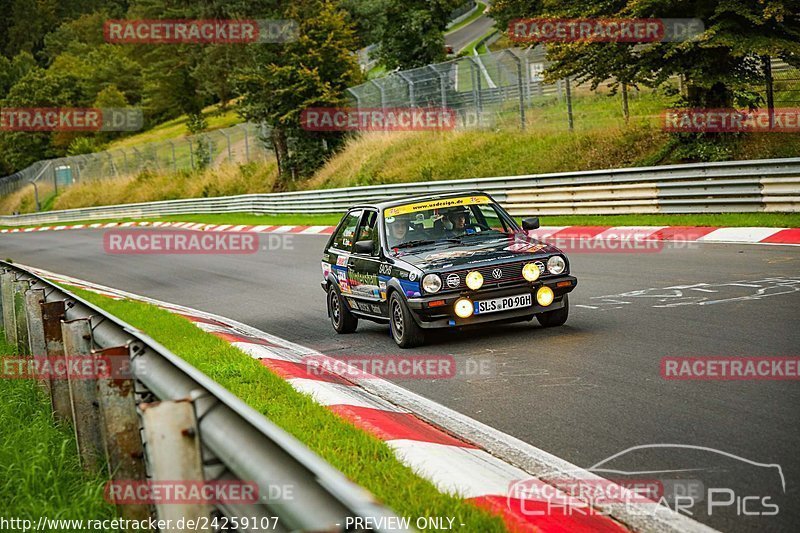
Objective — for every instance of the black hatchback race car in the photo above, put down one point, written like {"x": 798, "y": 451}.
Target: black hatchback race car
{"x": 442, "y": 261}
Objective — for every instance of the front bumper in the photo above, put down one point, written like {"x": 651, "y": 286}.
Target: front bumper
{"x": 443, "y": 316}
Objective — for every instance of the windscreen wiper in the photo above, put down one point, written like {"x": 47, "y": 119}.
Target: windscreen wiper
{"x": 417, "y": 242}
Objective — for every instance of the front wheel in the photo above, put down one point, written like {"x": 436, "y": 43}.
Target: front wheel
{"x": 555, "y": 318}
{"x": 342, "y": 320}
{"x": 405, "y": 332}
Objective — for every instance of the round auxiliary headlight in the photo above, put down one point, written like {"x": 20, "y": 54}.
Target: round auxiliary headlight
{"x": 544, "y": 296}
{"x": 463, "y": 308}
{"x": 530, "y": 272}
{"x": 474, "y": 280}
{"x": 431, "y": 283}
{"x": 556, "y": 264}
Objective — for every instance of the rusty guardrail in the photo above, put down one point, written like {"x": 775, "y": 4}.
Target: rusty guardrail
{"x": 159, "y": 418}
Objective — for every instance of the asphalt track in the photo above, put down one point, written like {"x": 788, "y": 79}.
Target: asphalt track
{"x": 463, "y": 36}
{"x": 584, "y": 392}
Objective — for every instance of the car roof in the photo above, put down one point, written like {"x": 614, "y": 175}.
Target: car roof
{"x": 418, "y": 198}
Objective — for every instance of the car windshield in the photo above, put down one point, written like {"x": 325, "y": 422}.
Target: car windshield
{"x": 449, "y": 219}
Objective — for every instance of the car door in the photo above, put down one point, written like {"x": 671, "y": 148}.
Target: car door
{"x": 363, "y": 269}
{"x": 339, "y": 251}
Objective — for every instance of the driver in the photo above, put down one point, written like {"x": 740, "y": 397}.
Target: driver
{"x": 459, "y": 221}
{"x": 398, "y": 229}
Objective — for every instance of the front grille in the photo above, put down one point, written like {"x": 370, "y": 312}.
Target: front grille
{"x": 493, "y": 276}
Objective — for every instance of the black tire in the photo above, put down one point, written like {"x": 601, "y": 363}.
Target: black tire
{"x": 555, "y": 318}
{"x": 405, "y": 332}
{"x": 342, "y": 320}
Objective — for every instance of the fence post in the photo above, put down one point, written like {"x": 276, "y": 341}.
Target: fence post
{"x": 625, "y": 111}
{"x": 475, "y": 74}
{"x": 120, "y": 425}
{"x": 125, "y": 160}
{"x": 52, "y": 315}
{"x": 228, "y": 138}
{"x": 770, "y": 91}
{"x": 20, "y": 315}
{"x": 442, "y": 85}
{"x": 358, "y": 99}
{"x": 569, "y": 104}
{"x": 33, "y": 307}
{"x": 9, "y": 318}
{"x": 410, "y": 84}
{"x": 174, "y": 159}
{"x": 519, "y": 89}
{"x": 246, "y": 144}
{"x": 173, "y": 425}
{"x": 383, "y": 94}
{"x": 191, "y": 153}
{"x": 83, "y": 392}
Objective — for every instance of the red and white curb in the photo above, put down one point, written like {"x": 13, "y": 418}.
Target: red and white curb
{"x": 752, "y": 235}
{"x": 313, "y": 230}
{"x": 459, "y": 455}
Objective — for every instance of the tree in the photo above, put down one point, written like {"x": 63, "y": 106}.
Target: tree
{"x": 38, "y": 88}
{"x": 719, "y": 66}
{"x": 413, "y": 34}
{"x": 280, "y": 81}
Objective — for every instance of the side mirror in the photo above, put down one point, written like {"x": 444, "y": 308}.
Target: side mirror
{"x": 364, "y": 247}
{"x": 530, "y": 223}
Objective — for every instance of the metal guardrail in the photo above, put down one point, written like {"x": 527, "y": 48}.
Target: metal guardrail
{"x": 741, "y": 186}
{"x": 163, "y": 396}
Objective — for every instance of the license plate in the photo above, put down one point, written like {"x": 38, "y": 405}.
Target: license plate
{"x": 502, "y": 304}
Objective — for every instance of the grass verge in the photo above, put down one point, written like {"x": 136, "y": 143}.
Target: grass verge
{"x": 39, "y": 470}
{"x": 360, "y": 456}
{"x": 766, "y": 220}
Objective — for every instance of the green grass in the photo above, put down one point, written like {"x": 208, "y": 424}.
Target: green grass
{"x": 39, "y": 470}
{"x": 470, "y": 48}
{"x": 469, "y": 20}
{"x": 176, "y": 128}
{"x": 767, "y": 220}
{"x": 360, "y": 456}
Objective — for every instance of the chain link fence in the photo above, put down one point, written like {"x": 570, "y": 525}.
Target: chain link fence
{"x": 506, "y": 88}
{"x": 243, "y": 143}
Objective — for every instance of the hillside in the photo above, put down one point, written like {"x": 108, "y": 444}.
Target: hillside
{"x": 414, "y": 156}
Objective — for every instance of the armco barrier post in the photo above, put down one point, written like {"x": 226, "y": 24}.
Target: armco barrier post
{"x": 120, "y": 428}
{"x": 21, "y": 315}
{"x": 9, "y": 319}
{"x": 173, "y": 426}
{"x": 52, "y": 315}
{"x": 83, "y": 393}
{"x": 33, "y": 306}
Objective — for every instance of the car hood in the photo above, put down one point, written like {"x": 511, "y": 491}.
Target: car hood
{"x": 477, "y": 252}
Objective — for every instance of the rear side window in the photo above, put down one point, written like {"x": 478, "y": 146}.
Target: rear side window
{"x": 346, "y": 236}
{"x": 369, "y": 230}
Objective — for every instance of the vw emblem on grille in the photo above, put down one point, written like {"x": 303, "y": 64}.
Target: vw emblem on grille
{"x": 453, "y": 280}
{"x": 497, "y": 273}
{"x": 540, "y": 265}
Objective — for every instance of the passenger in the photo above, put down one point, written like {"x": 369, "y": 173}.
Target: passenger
{"x": 398, "y": 230}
